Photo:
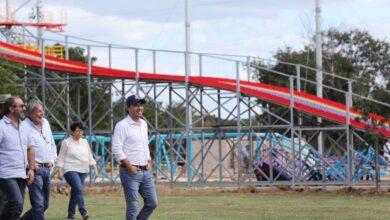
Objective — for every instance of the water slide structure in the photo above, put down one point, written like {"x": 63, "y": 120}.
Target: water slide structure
{"x": 303, "y": 102}
{"x": 274, "y": 156}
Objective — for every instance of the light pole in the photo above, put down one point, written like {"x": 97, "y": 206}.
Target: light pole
{"x": 187, "y": 88}
{"x": 319, "y": 69}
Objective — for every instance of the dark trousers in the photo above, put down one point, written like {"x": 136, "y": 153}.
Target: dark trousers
{"x": 39, "y": 192}
{"x": 3, "y": 200}
{"x": 76, "y": 182}
{"x": 12, "y": 198}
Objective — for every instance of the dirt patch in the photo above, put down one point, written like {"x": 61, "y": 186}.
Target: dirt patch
{"x": 166, "y": 189}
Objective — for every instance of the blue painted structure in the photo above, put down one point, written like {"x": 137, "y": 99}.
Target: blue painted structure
{"x": 364, "y": 160}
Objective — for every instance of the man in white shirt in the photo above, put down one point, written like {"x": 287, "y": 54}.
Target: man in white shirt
{"x": 130, "y": 147}
{"x": 45, "y": 149}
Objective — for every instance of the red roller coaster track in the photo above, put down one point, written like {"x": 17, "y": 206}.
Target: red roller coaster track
{"x": 302, "y": 101}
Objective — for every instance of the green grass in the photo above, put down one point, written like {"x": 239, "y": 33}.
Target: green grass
{"x": 236, "y": 205}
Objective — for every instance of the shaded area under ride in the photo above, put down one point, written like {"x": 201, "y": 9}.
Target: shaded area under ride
{"x": 274, "y": 161}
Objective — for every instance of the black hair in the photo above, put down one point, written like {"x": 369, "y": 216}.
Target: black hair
{"x": 76, "y": 125}
{"x": 8, "y": 104}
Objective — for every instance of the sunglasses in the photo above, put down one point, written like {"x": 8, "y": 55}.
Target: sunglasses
{"x": 22, "y": 106}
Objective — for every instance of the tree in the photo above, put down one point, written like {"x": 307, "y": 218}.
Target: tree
{"x": 10, "y": 76}
{"x": 353, "y": 54}
{"x": 99, "y": 93}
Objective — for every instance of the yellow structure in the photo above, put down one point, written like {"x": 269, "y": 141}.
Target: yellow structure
{"x": 55, "y": 50}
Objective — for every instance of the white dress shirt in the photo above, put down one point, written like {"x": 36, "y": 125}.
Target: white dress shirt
{"x": 75, "y": 155}
{"x": 43, "y": 142}
{"x": 130, "y": 140}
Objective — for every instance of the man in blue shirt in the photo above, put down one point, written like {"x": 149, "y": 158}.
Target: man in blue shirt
{"x": 45, "y": 155}
{"x": 15, "y": 151}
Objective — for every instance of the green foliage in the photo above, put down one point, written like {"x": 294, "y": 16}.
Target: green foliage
{"x": 79, "y": 91}
{"x": 10, "y": 75}
{"x": 352, "y": 54}
{"x": 79, "y": 54}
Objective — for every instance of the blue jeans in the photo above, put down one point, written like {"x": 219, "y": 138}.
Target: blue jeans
{"x": 3, "y": 200}
{"x": 12, "y": 198}
{"x": 76, "y": 182}
{"x": 39, "y": 192}
{"x": 142, "y": 183}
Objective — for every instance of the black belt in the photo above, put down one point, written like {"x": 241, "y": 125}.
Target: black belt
{"x": 141, "y": 167}
{"x": 44, "y": 165}
{"x": 138, "y": 167}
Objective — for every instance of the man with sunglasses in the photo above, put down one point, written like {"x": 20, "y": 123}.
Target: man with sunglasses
{"x": 130, "y": 147}
{"x": 45, "y": 155}
{"x": 15, "y": 155}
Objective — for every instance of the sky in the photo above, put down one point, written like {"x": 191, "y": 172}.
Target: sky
{"x": 246, "y": 27}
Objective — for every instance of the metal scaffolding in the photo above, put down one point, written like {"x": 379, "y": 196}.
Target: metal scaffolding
{"x": 203, "y": 136}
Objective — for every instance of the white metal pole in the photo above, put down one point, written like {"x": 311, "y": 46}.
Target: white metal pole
{"x": 188, "y": 28}
{"x": 7, "y": 18}
{"x": 7, "y": 10}
{"x": 319, "y": 68}
{"x": 187, "y": 88}
{"x": 39, "y": 19}
{"x": 318, "y": 49}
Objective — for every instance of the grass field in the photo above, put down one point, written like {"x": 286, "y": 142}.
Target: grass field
{"x": 236, "y": 205}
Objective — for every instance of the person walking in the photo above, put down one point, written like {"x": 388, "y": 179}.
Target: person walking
{"x": 15, "y": 155}
{"x": 76, "y": 158}
{"x": 130, "y": 148}
{"x": 45, "y": 156}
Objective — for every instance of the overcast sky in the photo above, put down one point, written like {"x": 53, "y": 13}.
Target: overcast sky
{"x": 248, "y": 27}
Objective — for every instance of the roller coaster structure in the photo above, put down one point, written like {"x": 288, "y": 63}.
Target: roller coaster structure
{"x": 226, "y": 114}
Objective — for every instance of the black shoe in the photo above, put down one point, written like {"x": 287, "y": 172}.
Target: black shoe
{"x": 70, "y": 217}
{"x": 85, "y": 216}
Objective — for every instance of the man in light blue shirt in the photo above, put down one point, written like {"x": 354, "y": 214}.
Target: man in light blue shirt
{"x": 15, "y": 151}
{"x": 41, "y": 139}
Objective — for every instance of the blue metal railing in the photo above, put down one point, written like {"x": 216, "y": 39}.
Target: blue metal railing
{"x": 172, "y": 154}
